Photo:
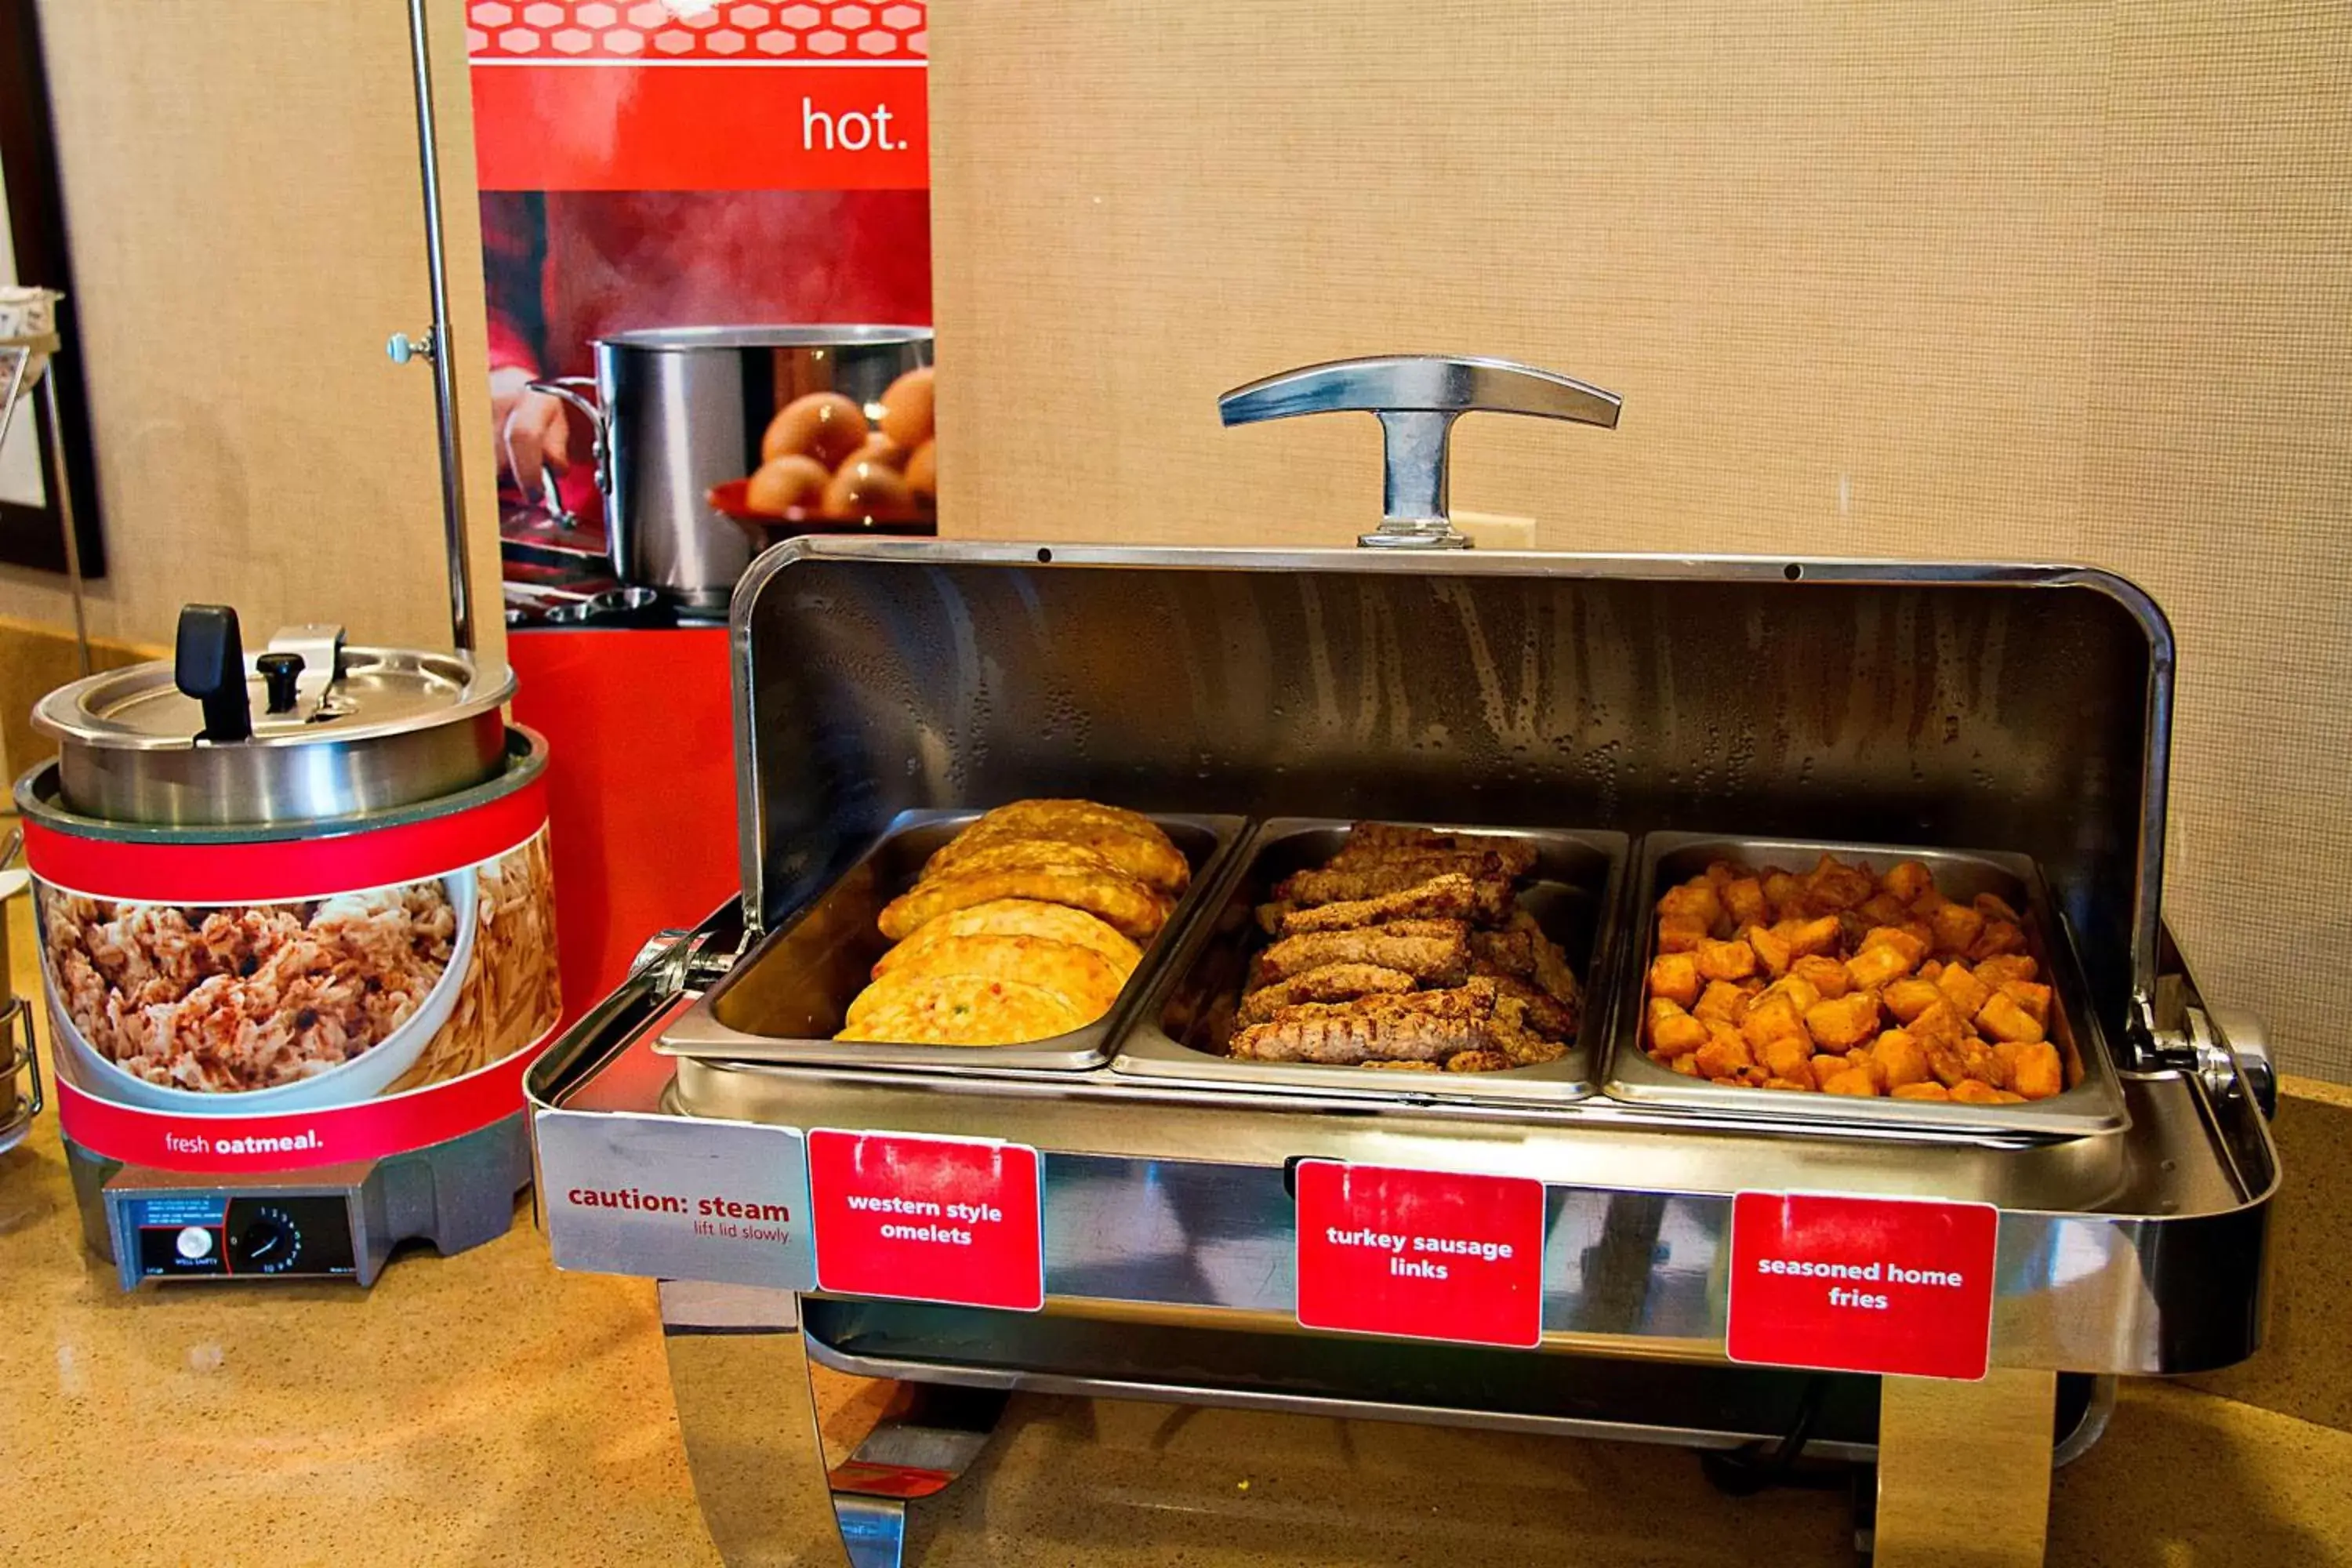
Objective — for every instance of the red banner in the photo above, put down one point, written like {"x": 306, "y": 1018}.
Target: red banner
{"x": 1871, "y": 1285}
{"x": 927, "y": 1219}
{"x": 279, "y": 871}
{"x": 701, "y": 128}
{"x": 296, "y": 1140}
{"x": 1424, "y": 1255}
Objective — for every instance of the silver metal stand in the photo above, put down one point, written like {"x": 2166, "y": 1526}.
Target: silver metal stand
{"x": 64, "y": 492}
{"x": 433, "y": 344}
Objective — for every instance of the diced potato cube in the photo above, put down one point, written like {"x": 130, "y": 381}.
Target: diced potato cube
{"x": 1906, "y": 999}
{"x": 2002, "y": 1019}
{"x": 1841, "y": 1024}
{"x": 1686, "y": 1065}
{"x": 2007, "y": 967}
{"x": 1674, "y": 1032}
{"x": 1909, "y": 942}
{"x": 1906, "y": 880}
{"x": 1900, "y": 1056}
{"x": 1983, "y": 1063}
{"x": 1675, "y": 977}
{"x": 1827, "y": 1067}
{"x": 1722, "y": 1003}
{"x": 1727, "y": 959}
{"x": 1929, "y": 970}
{"x": 1768, "y": 1018}
{"x": 1857, "y": 1085}
{"x": 2035, "y": 1072}
{"x": 1859, "y": 1060}
{"x": 1940, "y": 1021}
{"x": 1724, "y": 1056}
{"x": 2009, "y": 1097}
{"x": 1771, "y": 950}
{"x": 2033, "y": 998}
{"x": 1963, "y": 990}
{"x": 1719, "y": 873}
{"x": 1993, "y": 907}
{"x": 1883, "y": 910}
{"x": 1807, "y": 937}
{"x": 1833, "y": 885}
{"x": 1692, "y": 901}
{"x": 1929, "y": 1091}
{"x": 1826, "y": 974}
{"x": 1744, "y": 901}
{"x": 1789, "y": 1083}
{"x": 1873, "y": 967}
{"x": 1957, "y": 928}
{"x": 1790, "y": 1057}
{"x": 1797, "y": 989}
{"x": 1969, "y": 1092}
{"x": 1785, "y": 894}
{"x": 1682, "y": 933}
{"x": 1999, "y": 937}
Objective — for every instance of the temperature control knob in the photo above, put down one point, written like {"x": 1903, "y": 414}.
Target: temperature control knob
{"x": 268, "y": 1242}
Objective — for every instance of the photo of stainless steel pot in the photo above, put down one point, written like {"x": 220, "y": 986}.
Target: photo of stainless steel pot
{"x": 678, "y": 410}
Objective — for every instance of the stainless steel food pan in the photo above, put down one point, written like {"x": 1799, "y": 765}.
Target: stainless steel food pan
{"x": 785, "y": 999}
{"x": 1179, "y": 1030}
{"x": 2095, "y": 1103}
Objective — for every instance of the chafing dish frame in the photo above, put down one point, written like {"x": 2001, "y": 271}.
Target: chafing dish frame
{"x": 2135, "y": 1251}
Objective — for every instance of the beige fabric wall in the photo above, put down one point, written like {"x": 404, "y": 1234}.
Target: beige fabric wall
{"x": 242, "y": 193}
{"x": 2003, "y": 279}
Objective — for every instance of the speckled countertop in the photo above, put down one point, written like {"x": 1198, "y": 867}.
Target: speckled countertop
{"x": 486, "y": 1409}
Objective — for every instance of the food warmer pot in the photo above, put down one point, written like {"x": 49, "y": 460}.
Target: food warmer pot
{"x": 297, "y": 947}
{"x": 1152, "y": 1235}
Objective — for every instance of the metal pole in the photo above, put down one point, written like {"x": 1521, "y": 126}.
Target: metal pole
{"x": 66, "y": 513}
{"x": 445, "y": 391}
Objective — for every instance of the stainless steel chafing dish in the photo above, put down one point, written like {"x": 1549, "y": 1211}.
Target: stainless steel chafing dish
{"x": 2021, "y": 709}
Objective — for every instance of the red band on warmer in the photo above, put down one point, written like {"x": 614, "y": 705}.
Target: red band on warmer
{"x": 297, "y": 1140}
{"x": 283, "y": 871}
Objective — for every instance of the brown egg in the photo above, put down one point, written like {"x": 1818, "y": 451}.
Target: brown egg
{"x": 906, "y": 408}
{"x": 825, "y": 424}
{"x": 786, "y": 482}
{"x": 866, "y": 490}
{"x": 880, "y": 448}
{"x": 923, "y": 470}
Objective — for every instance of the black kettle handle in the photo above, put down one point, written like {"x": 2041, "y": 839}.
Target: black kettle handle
{"x": 209, "y": 664}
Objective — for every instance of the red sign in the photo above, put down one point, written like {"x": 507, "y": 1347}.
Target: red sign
{"x": 927, "y": 1219}
{"x": 699, "y": 95}
{"x": 1423, "y": 1254}
{"x": 775, "y": 127}
{"x": 1871, "y": 1285}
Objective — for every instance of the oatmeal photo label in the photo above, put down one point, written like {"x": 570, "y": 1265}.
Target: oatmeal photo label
{"x": 221, "y": 1036}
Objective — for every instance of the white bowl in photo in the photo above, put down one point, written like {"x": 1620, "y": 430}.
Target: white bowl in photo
{"x": 362, "y": 1078}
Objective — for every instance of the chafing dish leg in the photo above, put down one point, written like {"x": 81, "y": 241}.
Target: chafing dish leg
{"x": 1964, "y": 1470}
{"x": 739, "y": 1369}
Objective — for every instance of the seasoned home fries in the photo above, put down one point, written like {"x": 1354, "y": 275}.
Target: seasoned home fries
{"x": 1840, "y": 981}
{"x": 1023, "y": 926}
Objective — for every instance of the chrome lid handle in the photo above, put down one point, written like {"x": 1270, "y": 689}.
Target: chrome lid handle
{"x": 1417, "y": 398}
